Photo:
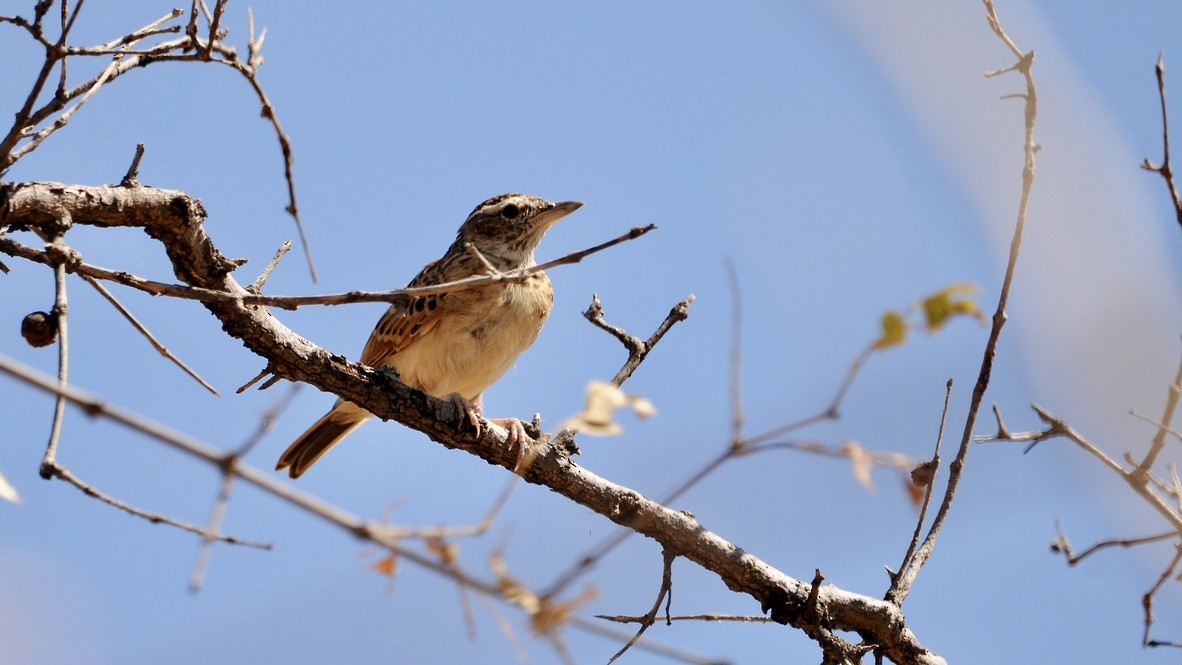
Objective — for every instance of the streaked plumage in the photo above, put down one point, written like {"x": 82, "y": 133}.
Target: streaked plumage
{"x": 455, "y": 345}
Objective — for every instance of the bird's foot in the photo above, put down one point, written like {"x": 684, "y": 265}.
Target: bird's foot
{"x": 472, "y": 413}
{"x": 518, "y": 438}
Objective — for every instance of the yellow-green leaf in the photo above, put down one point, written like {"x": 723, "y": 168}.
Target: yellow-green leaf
{"x": 894, "y": 330}
{"x": 944, "y": 304}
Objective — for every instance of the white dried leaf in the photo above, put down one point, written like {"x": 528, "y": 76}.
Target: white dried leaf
{"x": 8, "y": 492}
{"x": 603, "y": 400}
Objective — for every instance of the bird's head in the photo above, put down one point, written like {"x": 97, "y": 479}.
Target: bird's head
{"x": 507, "y": 228}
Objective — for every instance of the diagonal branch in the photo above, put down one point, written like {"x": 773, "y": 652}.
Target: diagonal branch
{"x": 956, "y": 469}
{"x": 160, "y": 348}
{"x": 197, "y": 262}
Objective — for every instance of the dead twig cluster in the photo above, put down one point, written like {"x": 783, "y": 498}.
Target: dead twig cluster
{"x": 1162, "y": 493}
{"x": 176, "y": 220}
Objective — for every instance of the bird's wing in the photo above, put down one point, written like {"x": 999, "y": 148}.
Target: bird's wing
{"x": 406, "y": 321}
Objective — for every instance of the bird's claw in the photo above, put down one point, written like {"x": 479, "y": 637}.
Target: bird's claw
{"x": 472, "y": 414}
{"x": 517, "y": 436}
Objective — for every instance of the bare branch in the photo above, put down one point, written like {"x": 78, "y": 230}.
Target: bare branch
{"x": 453, "y": 531}
{"x": 1147, "y": 600}
{"x": 222, "y": 502}
{"x": 707, "y": 618}
{"x": 257, "y": 284}
{"x": 197, "y": 262}
{"x": 650, "y": 618}
{"x": 131, "y": 179}
{"x": 1063, "y": 546}
{"x": 1159, "y": 440}
{"x": 103, "y": 205}
{"x": 1164, "y": 169}
{"x": 160, "y": 348}
{"x": 58, "y": 471}
{"x": 638, "y": 349}
{"x": 955, "y": 470}
{"x": 900, "y": 585}
{"x": 1134, "y": 479}
{"x": 830, "y": 412}
{"x": 736, "y": 355}
{"x": 59, "y": 315}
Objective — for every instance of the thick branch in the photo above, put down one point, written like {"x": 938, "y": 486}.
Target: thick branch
{"x": 178, "y": 225}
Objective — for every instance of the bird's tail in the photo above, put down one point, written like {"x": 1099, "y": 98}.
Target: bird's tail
{"x": 331, "y": 428}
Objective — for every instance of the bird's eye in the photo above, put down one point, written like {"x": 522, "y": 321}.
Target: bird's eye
{"x": 510, "y": 211}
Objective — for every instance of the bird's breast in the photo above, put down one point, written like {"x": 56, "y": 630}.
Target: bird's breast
{"x": 479, "y": 336}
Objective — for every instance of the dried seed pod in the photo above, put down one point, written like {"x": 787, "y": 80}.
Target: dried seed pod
{"x": 39, "y": 329}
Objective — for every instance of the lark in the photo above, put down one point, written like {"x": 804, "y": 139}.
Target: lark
{"x": 455, "y": 345}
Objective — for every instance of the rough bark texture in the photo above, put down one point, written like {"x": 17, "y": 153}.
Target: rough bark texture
{"x": 175, "y": 219}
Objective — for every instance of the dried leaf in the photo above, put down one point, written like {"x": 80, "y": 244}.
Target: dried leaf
{"x": 603, "y": 400}
{"x": 914, "y": 492}
{"x": 511, "y": 590}
{"x": 553, "y": 615}
{"x": 387, "y": 565}
{"x": 894, "y": 330}
{"x": 942, "y": 306}
{"x": 546, "y": 617}
{"x": 863, "y": 462}
{"x": 7, "y": 491}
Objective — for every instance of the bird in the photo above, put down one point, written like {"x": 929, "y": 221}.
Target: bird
{"x": 454, "y": 345}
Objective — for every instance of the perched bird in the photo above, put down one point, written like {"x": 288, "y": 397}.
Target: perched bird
{"x": 454, "y": 345}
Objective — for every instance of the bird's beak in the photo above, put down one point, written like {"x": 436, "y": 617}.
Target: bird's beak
{"x": 555, "y": 212}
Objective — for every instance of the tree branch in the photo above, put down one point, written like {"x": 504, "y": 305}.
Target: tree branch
{"x": 198, "y": 263}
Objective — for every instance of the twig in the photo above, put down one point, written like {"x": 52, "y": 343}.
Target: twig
{"x": 222, "y": 502}
{"x": 150, "y": 30}
{"x": 1147, "y": 600}
{"x": 1135, "y": 480}
{"x": 735, "y": 618}
{"x": 257, "y": 285}
{"x": 1164, "y": 168}
{"x": 1063, "y": 546}
{"x": 453, "y": 531}
{"x": 830, "y": 412}
{"x": 36, "y": 139}
{"x": 472, "y": 249}
{"x": 736, "y": 355}
{"x": 873, "y": 459}
{"x": 189, "y": 48}
{"x": 257, "y": 477}
{"x": 901, "y": 586}
{"x": 131, "y": 178}
{"x": 638, "y": 349}
{"x": 834, "y": 649}
{"x": 651, "y": 618}
{"x": 148, "y": 335}
{"x": 955, "y": 470}
{"x": 221, "y": 505}
{"x": 266, "y": 371}
{"x": 1162, "y": 427}
{"x": 59, "y": 315}
{"x": 57, "y": 471}
{"x": 14, "y": 248}
{"x": 591, "y": 558}
{"x": 21, "y": 124}
{"x": 197, "y": 261}
{"x": 645, "y": 643}
{"x": 1159, "y": 440}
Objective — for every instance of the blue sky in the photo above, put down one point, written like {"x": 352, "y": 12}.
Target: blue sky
{"x": 848, "y": 157}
